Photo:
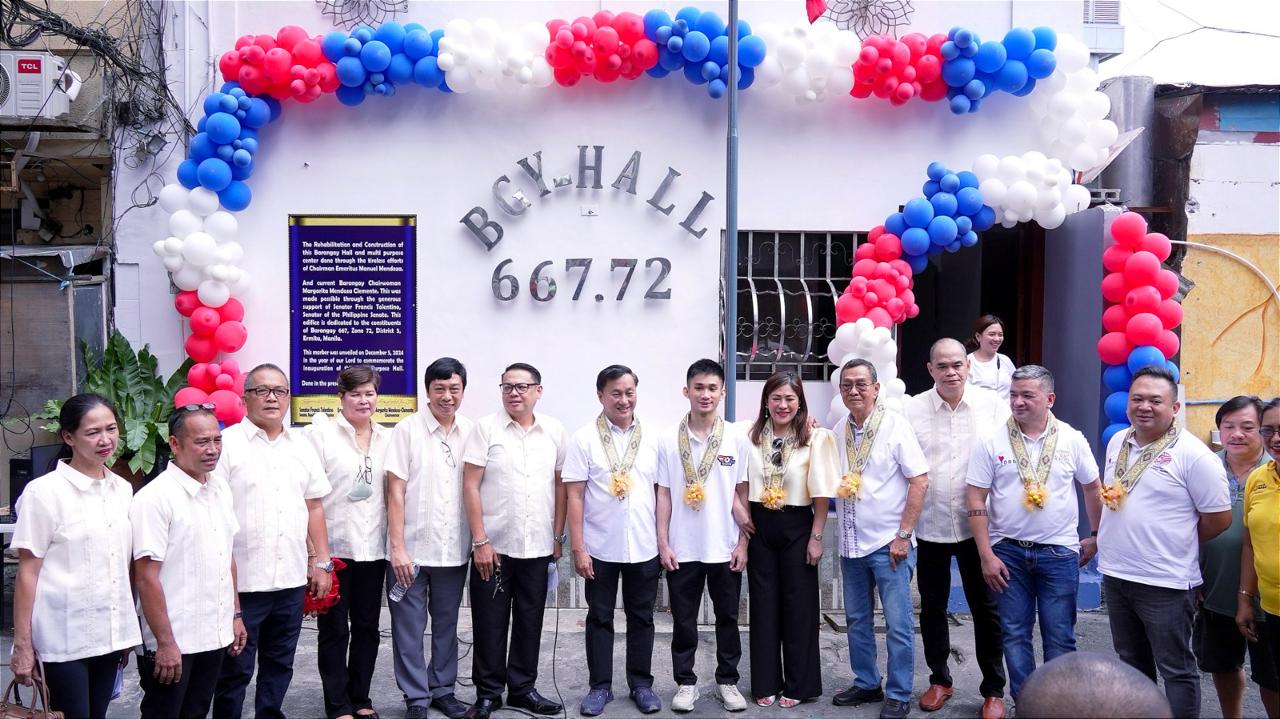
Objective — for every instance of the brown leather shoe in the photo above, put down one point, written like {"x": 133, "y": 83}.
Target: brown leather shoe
{"x": 934, "y": 697}
{"x": 993, "y": 708}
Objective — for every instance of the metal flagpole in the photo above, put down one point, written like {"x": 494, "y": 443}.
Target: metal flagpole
{"x": 730, "y": 273}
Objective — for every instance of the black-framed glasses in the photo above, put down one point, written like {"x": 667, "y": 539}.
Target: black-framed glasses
{"x": 776, "y": 457}
{"x": 448, "y": 455}
{"x": 264, "y": 392}
{"x": 520, "y": 389}
{"x": 206, "y": 407}
{"x": 863, "y": 386}
{"x": 1269, "y": 431}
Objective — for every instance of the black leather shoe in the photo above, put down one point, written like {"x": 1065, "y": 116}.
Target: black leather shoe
{"x": 417, "y": 711}
{"x": 536, "y": 703}
{"x": 853, "y": 696}
{"x": 449, "y": 706}
{"x": 483, "y": 708}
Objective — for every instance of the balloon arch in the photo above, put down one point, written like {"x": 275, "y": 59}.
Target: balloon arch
{"x": 801, "y": 63}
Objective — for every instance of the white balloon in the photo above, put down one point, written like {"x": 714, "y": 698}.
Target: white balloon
{"x": 203, "y": 202}
{"x": 542, "y": 73}
{"x": 222, "y": 225}
{"x": 535, "y": 37}
{"x": 216, "y": 272}
{"x": 1071, "y": 54}
{"x": 183, "y": 223}
{"x": 880, "y": 335}
{"x": 1011, "y": 169}
{"x": 1048, "y": 197}
{"x": 985, "y": 166}
{"x": 458, "y": 29}
{"x": 768, "y": 72}
{"x": 993, "y": 191}
{"x": 796, "y": 82}
{"x": 188, "y": 277}
{"x": 230, "y": 253}
{"x": 233, "y": 275}
{"x": 200, "y": 249}
{"x": 1051, "y": 218}
{"x": 1064, "y": 104}
{"x": 172, "y": 246}
{"x": 213, "y": 293}
{"x": 790, "y": 53}
{"x": 1021, "y": 197}
{"x": 173, "y": 197}
{"x": 863, "y": 325}
{"x": 1055, "y": 83}
{"x": 485, "y": 31}
{"x": 445, "y": 61}
{"x": 897, "y": 388}
{"x": 241, "y": 285}
{"x": 1094, "y": 105}
{"x": 1072, "y": 131}
{"x": 1085, "y": 157}
{"x": 837, "y": 408}
{"x": 173, "y": 264}
{"x": 886, "y": 369}
{"x": 842, "y": 80}
{"x": 460, "y": 80}
{"x": 1102, "y": 134}
{"x": 1082, "y": 81}
{"x": 845, "y": 340}
{"x": 157, "y": 248}
{"x": 847, "y": 46}
{"x": 1076, "y": 198}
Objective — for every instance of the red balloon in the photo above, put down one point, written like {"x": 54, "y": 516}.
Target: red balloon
{"x": 1142, "y": 299}
{"x": 232, "y": 311}
{"x": 858, "y": 287}
{"x": 903, "y": 282}
{"x": 190, "y": 395}
{"x": 849, "y": 308}
{"x": 875, "y": 233}
{"x": 913, "y": 310}
{"x": 1114, "y": 256}
{"x": 244, "y": 41}
{"x": 277, "y": 65}
{"x": 879, "y": 317}
{"x": 1158, "y": 245}
{"x": 228, "y": 407}
{"x": 328, "y": 81}
{"x": 1141, "y": 269}
{"x": 186, "y": 302}
{"x": 1144, "y": 329}
{"x": 230, "y": 336}
{"x": 1129, "y": 229}
{"x": 1114, "y": 287}
{"x": 266, "y": 42}
{"x": 200, "y": 377}
{"x": 884, "y": 289}
{"x": 1168, "y": 344}
{"x": 567, "y": 76}
{"x": 1115, "y": 318}
{"x": 291, "y": 35}
{"x": 901, "y": 266}
{"x": 1167, "y": 283}
{"x": 864, "y": 268}
{"x": 229, "y": 65}
{"x": 252, "y": 80}
{"x": 205, "y": 320}
{"x": 644, "y": 54}
{"x": 908, "y": 296}
{"x": 1170, "y": 314}
{"x": 865, "y": 251}
{"x": 229, "y": 366}
{"x": 934, "y": 91}
{"x": 308, "y": 53}
{"x": 601, "y": 19}
{"x": 888, "y": 248}
{"x": 225, "y": 381}
{"x": 897, "y": 308}
{"x": 882, "y": 270}
{"x": 215, "y": 369}
{"x": 630, "y": 27}
{"x": 606, "y": 40}
{"x": 871, "y": 299}
{"x": 200, "y": 348}
{"x": 1114, "y": 348}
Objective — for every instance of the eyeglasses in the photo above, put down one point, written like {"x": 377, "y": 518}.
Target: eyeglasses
{"x": 520, "y": 389}
{"x": 1269, "y": 431}
{"x": 264, "y": 392}
{"x": 206, "y": 407}
{"x": 860, "y": 386}
{"x": 448, "y": 455}
{"x": 776, "y": 457}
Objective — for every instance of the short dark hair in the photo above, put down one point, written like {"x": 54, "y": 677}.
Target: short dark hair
{"x": 261, "y": 367}
{"x": 1158, "y": 373}
{"x": 860, "y": 362}
{"x": 1115, "y": 689}
{"x": 74, "y": 409}
{"x": 704, "y": 366}
{"x": 612, "y": 372}
{"x": 1273, "y": 404}
{"x": 533, "y": 371}
{"x": 181, "y": 416}
{"x": 1235, "y": 404}
{"x": 356, "y": 375}
{"x": 442, "y": 369}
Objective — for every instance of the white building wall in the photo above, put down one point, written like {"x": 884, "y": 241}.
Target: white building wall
{"x": 1235, "y": 187}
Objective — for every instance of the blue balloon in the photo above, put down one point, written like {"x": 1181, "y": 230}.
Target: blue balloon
{"x": 1112, "y": 430}
{"x": 377, "y": 78}
{"x": 418, "y": 44}
{"x": 968, "y": 200}
{"x": 975, "y": 104}
{"x": 716, "y": 88}
{"x": 675, "y": 43}
{"x": 239, "y": 115}
{"x": 669, "y": 59}
{"x": 273, "y": 105}
{"x": 751, "y": 51}
{"x": 1026, "y": 89}
{"x": 971, "y": 49}
{"x": 257, "y": 114}
{"x": 985, "y": 219}
{"x": 954, "y": 245}
{"x": 351, "y": 72}
{"x": 241, "y": 158}
{"x": 689, "y": 15}
{"x": 187, "y": 174}
{"x": 222, "y": 128}
{"x": 991, "y": 55}
{"x": 710, "y": 70}
{"x": 719, "y": 52}
{"x": 235, "y": 197}
{"x": 241, "y": 173}
{"x": 1115, "y": 406}
{"x": 746, "y": 76}
{"x": 915, "y": 241}
{"x": 935, "y": 170}
{"x": 964, "y": 37}
{"x": 213, "y": 102}
{"x": 934, "y": 250}
{"x": 247, "y": 133}
{"x": 201, "y": 148}
{"x": 918, "y": 212}
{"x": 975, "y": 89}
{"x": 958, "y": 72}
{"x": 967, "y": 179}
{"x": 653, "y": 20}
{"x": 401, "y": 68}
{"x": 744, "y": 29}
{"x": 1046, "y": 38}
{"x": 895, "y": 224}
{"x": 436, "y": 35}
{"x": 243, "y": 102}
{"x": 427, "y": 73}
{"x": 710, "y": 24}
{"x": 663, "y": 35}
{"x": 351, "y": 48}
{"x": 724, "y": 74}
{"x": 411, "y": 26}
{"x": 1173, "y": 370}
{"x": 949, "y": 51}
{"x": 931, "y": 188}
{"x": 223, "y": 152}
{"x": 693, "y": 73}
{"x": 944, "y": 203}
{"x": 364, "y": 34}
{"x": 375, "y": 56}
{"x": 942, "y": 230}
{"x": 391, "y": 34}
{"x": 1041, "y": 63}
{"x": 964, "y": 225}
{"x": 213, "y": 174}
{"x": 696, "y": 46}
{"x": 1145, "y": 356}
{"x": 1012, "y": 76}
{"x": 967, "y": 239}
{"x": 1019, "y": 42}
{"x": 227, "y": 103}
{"x": 960, "y": 104}
{"x": 658, "y": 71}
{"x": 918, "y": 263}
{"x": 1117, "y": 378}
{"x": 949, "y": 183}
{"x": 229, "y": 87}
{"x": 350, "y": 96}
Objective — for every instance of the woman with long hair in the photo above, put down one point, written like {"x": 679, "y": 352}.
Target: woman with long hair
{"x": 987, "y": 367}
{"x": 793, "y": 472}
{"x": 73, "y": 609}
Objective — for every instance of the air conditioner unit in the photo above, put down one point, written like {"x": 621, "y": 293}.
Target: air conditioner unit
{"x": 35, "y": 84}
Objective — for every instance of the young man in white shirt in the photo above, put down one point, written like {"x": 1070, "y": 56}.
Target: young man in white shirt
{"x": 277, "y": 487}
{"x": 948, "y": 420}
{"x": 609, "y": 471}
{"x": 184, "y": 572}
{"x": 882, "y": 488}
{"x": 516, "y": 512}
{"x": 701, "y": 540}
{"x": 1029, "y": 544}
{"x": 429, "y": 541}
{"x": 1164, "y": 493}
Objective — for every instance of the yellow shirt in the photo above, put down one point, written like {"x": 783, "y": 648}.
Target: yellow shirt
{"x": 812, "y": 471}
{"x": 1262, "y": 518}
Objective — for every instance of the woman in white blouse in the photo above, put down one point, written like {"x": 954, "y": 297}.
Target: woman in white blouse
{"x": 352, "y": 447}
{"x": 73, "y": 609}
{"x": 987, "y": 367}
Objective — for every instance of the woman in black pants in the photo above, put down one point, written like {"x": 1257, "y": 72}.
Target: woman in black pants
{"x": 793, "y": 472}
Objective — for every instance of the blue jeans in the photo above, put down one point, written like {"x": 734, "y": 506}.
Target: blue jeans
{"x": 862, "y": 576}
{"x": 1044, "y": 578}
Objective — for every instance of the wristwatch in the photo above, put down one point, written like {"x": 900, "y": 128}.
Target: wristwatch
{"x": 904, "y": 534}
{"x": 324, "y": 566}
{"x": 562, "y": 538}
{"x": 816, "y": 537}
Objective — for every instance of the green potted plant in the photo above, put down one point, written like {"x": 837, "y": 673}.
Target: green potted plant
{"x": 143, "y": 401}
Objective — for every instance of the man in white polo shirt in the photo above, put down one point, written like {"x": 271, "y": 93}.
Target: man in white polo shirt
{"x": 1029, "y": 543}
{"x": 515, "y": 509}
{"x": 948, "y": 420}
{"x": 277, "y": 488}
{"x": 609, "y": 471}
{"x": 884, "y": 477}
{"x": 1165, "y": 492}
{"x": 429, "y": 541}
{"x": 184, "y": 573}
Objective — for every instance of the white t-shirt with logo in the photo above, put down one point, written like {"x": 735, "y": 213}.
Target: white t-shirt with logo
{"x": 709, "y": 534}
{"x": 1152, "y": 538}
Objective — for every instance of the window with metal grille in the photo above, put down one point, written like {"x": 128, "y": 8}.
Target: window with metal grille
{"x": 1102, "y": 12}
{"x": 788, "y": 283}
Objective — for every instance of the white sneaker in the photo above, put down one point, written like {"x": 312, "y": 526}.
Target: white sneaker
{"x": 685, "y": 696}
{"x": 731, "y": 698}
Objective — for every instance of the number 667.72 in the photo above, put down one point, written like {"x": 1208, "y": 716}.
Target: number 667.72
{"x": 542, "y": 287}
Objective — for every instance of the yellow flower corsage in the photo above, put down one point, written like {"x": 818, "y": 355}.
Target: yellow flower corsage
{"x": 620, "y": 484}
{"x": 772, "y": 498}
{"x": 694, "y": 495}
{"x": 1112, "y": 495}
{"x": 849, "y": 486}
{"x": 1035, "y": 496}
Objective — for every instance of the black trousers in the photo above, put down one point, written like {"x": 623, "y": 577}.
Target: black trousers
{"x": 273, "y": 621}
{"x": 347, "y": 638}
{"x": 933, "y": 576}
{"x": 725, "y": 588}
{"x": 639, "y": 593}
{"x": 515, "y": 596}
{"x": 784, "y": 604}
{"x": 187, "y": 698}
{"x": 81, "y": 687}
{"x": 1270, "y": 636}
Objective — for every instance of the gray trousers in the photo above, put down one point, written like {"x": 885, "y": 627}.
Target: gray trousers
{"x": 438, "y": 591}
{"x": 1151, "y": 631}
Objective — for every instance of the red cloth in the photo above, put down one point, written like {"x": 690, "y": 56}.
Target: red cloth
{"x": 313, "y": 607}
{"x": 815, "y": 9}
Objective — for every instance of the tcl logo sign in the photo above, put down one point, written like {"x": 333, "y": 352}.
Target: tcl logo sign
{"x": 29, "y": 65}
